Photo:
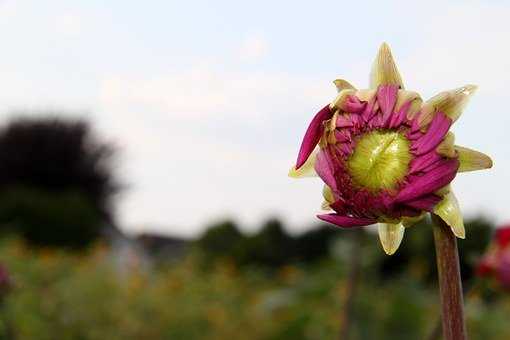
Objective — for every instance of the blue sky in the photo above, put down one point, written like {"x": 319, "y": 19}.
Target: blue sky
{"x": 208, "y": 100}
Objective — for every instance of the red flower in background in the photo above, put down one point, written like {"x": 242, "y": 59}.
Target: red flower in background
{"x": 496, "y": 262}
{"x": 5, "y": 280}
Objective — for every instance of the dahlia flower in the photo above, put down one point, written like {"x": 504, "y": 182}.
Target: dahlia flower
{"x": 386, "y": 156}
{"x": 496, "y": 262}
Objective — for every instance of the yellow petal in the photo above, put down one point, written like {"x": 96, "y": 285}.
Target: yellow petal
{"x": 330, "y": 124}
{"x": 443, "y": 191}
{"x": 327, "y": 193}
{"x": 451, "y": 103}
{"x": 414, "y": 109}
{"x": 410, "y": 221}
{"x": 446, "y": 147}
{"x": 307, "y": 169}
{"x": 404, "y": 96}
{"x": 342, "y": 84}
{"x": 449, "y": 211}
{"x": 341, "y": 99}
{"x": 471, "y": 160}
{"x": 391, "y": 236}
{"x": 365, "y": 95}
{"x": 384, "y": 70}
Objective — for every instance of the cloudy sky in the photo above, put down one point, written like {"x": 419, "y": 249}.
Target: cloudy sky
{"x": 208, "y": 100}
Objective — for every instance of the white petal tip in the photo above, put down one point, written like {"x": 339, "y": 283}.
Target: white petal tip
{"x": 449, "y": 211}
{"x": 342, "y": 84}
{"x": 472, "y": 160}
{"x": 293, "y": 173}
{"x": 391, "y": 236}
{"x": 459, "y": 231}
{"x": 384, "y": 70}
{"x": 389, "y": 251}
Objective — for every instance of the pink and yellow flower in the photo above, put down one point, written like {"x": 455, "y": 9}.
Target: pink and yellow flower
{"x": 386, "y": 156}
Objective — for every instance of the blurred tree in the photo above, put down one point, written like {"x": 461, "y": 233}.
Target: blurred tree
{"x": 56, "y": 181}
{"x": 315, "y": 244}
{"x": 221, "y": 240}
{"x": 415, "y": 254}
{"x": 270, "y": 247}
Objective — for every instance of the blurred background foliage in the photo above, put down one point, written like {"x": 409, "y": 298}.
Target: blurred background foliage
{"x": 70, "y": 273}
{"x": 56, "y": 181}
{"x": 251, "y": 287}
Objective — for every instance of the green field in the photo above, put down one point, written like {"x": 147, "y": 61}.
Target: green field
{"x": 61, "y": 295}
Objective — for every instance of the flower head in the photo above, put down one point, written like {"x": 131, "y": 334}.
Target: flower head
{"x": 496, "y": 261}
{"x": 387, "y": 157}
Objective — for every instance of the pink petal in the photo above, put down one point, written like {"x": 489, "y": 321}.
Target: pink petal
{"x": 356, "y": 120}
{"x": 342, "y": 136}
{"x": 415, "y": 126}
{"x": 313, "y": 135}
{"x": 431, "y": 181}
{"x": 387, "y": 97}
{"x": 325, "y": 168}
{"x": 414, "y": 135}
{"x": 344, "y": 121}
{"x": 346, "y": 221}
{"x": 420, "y": 163}
{"x": 426, "y": 202}
{"x": 398, "y": 118}
{"x": 339, "y": 206}
{"x": 434, "y": 135}
{"x": 354, "y": 105}
{"x": 344, "y": 148}
{"x": 376, "y": 122}
{"x": 369, "y": 111}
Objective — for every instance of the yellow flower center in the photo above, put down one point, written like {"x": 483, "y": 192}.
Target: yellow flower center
{"x": 380, "y": 160}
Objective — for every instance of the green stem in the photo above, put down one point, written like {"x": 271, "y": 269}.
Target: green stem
{"x": 351, "y": 285}
{"x": 450, "y": 284}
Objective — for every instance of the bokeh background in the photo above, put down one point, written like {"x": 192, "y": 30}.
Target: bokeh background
{"x": 144, "y": 149}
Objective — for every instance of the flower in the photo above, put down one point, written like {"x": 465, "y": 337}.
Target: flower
{"x": 5, "y": 280}
{"x": 386, "y": 156}
{"x": 496, "y": 261}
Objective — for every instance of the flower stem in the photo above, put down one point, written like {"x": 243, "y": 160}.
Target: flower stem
{"x": 351, "y": 285}
{"x": 450, "y": 285}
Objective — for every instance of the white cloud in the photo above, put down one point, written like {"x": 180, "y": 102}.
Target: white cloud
{"x": 254, "y": 48}
{"x": 464, "y": 43}
{"x": 178, "y": 160}
{"x": 205, "y": 93}
{"x": 69, "y": 24}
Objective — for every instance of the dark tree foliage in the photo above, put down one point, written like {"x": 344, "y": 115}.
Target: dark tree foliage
{"x": 270, "y": 247}
{"x": 56, "y": 181}
{"x": 416, "y": 251}
{"x": 221, "y": 240}
{"x": 315, "y": 243}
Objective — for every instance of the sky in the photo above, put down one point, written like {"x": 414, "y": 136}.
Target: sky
{"x": 207, "y": 101}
